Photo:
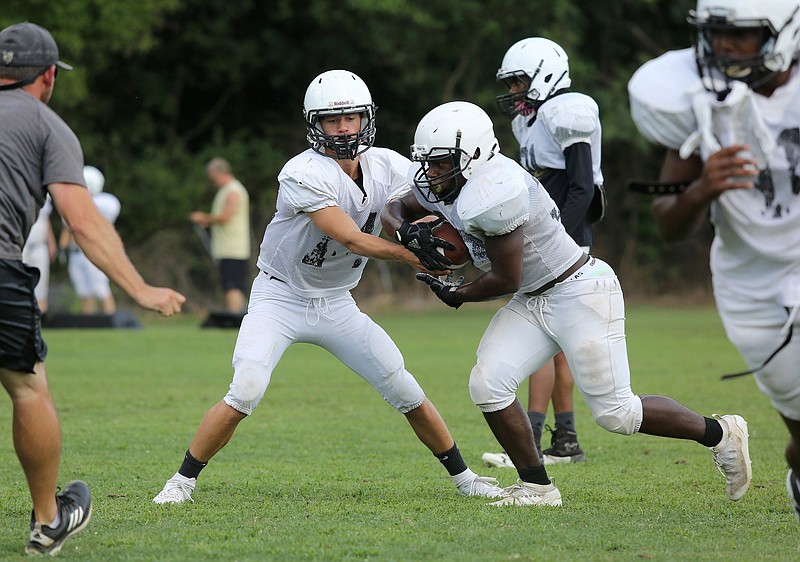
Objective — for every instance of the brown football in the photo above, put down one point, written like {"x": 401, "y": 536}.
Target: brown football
{"x": 446, "y": 231}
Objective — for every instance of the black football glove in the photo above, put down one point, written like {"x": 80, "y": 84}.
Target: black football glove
{"x": 445, "y": 290}
{"x": 418, "y": 238}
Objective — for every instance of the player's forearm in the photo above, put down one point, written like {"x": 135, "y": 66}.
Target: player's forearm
{"x": 377, "y": 248}
{"x": 680, "y": 216}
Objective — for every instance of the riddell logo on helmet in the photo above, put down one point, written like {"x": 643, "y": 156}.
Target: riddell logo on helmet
{"x": 340, "y": 103}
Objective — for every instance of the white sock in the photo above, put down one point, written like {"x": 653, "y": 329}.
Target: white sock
{"x": 180, "y": 477}
{"x": 464, "y": 478}
{"x": 56, "y": 522}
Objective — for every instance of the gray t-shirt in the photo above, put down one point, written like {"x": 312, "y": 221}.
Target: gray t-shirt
{"x": 36, "y": 149}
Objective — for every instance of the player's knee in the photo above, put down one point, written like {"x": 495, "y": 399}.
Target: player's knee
{"x": 249, "y": 384}
{"x": 486, "y": 391}
{"x": 623, "y": 418}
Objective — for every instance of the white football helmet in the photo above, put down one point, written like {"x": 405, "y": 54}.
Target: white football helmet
{"x": 460, "y": 131}
{"x": 338, "y": 92}
{"x": 779, "y": 24}
{"x": 540, "y": 62}
{"x": 95, "y": 180}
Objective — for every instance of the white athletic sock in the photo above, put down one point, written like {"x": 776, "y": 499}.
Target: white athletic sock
{"x": 463, "y": 477}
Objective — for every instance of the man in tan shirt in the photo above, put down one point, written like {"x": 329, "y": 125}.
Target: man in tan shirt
{"x": 229, "y": 221}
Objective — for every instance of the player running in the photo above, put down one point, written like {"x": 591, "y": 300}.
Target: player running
{"x": 732, "y": 133}
{"x": 563, "y": 300}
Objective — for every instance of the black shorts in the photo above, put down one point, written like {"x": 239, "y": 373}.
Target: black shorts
{"x": 21, "y": 343}
{"x": 233, "y": 274}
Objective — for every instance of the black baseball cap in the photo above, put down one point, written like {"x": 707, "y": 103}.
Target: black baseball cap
{"x": 28, "y": 45}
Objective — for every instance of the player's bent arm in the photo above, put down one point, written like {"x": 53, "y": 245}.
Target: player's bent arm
{"x": 340, "y": 226}
{"x": 678, "y": 216}
{"x": 102, "y": 245}
{"x": 405, "y": 208}
{"x": 505, "y": 277}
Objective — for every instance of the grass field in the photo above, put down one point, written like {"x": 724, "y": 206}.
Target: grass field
{"x": 325, "y": 470}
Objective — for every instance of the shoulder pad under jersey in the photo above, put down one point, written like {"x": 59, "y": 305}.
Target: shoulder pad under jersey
{"x": 660, "y": 106}
{"x": 305, "y": 182}
{"x": 570, "y": 118}
{"x": 491, "y": 207}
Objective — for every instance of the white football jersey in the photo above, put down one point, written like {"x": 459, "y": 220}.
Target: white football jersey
{"x": 762, "y": 224}
{"x": 560, "y": 122}
{"x": 295, "y": 250}
{"x": 108, "y": 205}
{"x": 499, "y": 198}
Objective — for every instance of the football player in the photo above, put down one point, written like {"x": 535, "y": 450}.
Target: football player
{"x": 559, "y": 138}
{"x": 728, "y": 113}
{"x": 313, "y": 253}
{"x": 563, "y": 300}
{"x": 89, "y": 282}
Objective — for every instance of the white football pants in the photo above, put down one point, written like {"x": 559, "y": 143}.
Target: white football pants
{"x": 584, "y": 317}
{"x": 277, "y": 317}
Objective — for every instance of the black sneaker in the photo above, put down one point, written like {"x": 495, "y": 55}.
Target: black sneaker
{"x": 74, "y": 509}
{"x": 793, "y": 487}
{"x": 564, "y": 447}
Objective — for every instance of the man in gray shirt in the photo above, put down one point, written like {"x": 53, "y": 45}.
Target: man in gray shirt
{"x": 40, "y": 154}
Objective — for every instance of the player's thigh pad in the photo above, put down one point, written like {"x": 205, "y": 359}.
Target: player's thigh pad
{"x": 513, "y": 346}
{"x": 754, "y": 326}
{"x": 361, "y": 344}
{"x": 588, "y": 317}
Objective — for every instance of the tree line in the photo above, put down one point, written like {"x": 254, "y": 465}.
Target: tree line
{"x": 161, "y": 86}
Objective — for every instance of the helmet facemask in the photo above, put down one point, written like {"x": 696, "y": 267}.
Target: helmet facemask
{"x": 524, "y": 102}
{"x": 776, "y": 26}
{"x": 342, "y": 147}
{"x": 444, "y": 187}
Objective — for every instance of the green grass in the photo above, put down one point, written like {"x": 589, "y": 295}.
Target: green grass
{"x": 325, "y": 470}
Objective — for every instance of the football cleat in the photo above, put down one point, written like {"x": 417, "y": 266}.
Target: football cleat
{"x": 526, "y": 494}
{"x": 564, "y": 447}
{"x": 481, "y": 487}
{"x": 178, "y": 489}
{"x": 732, "y": 455}
{"x": 497, "y": 460}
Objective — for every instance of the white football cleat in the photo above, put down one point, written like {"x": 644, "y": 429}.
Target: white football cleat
{"x": 178, "y": 489}
{"x": 481, "y": 487}
{"x": 732, "y": 455}
{"x": 525, "y": 494}
{"x": 497, "y": 460}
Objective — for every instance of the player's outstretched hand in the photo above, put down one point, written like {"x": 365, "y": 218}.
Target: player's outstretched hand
{"x": 419, "y": 238}
{"x": 161, "y": 299}
{"x": 445, "y": 290}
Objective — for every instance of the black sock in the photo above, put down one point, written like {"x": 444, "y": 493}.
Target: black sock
{"x": 452, "y": 461}
{"x": 191, "y": 467}
{"x": 713, "y": 434}
{"x": 534, "y": 475}
{"x": 566, "y": 420}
